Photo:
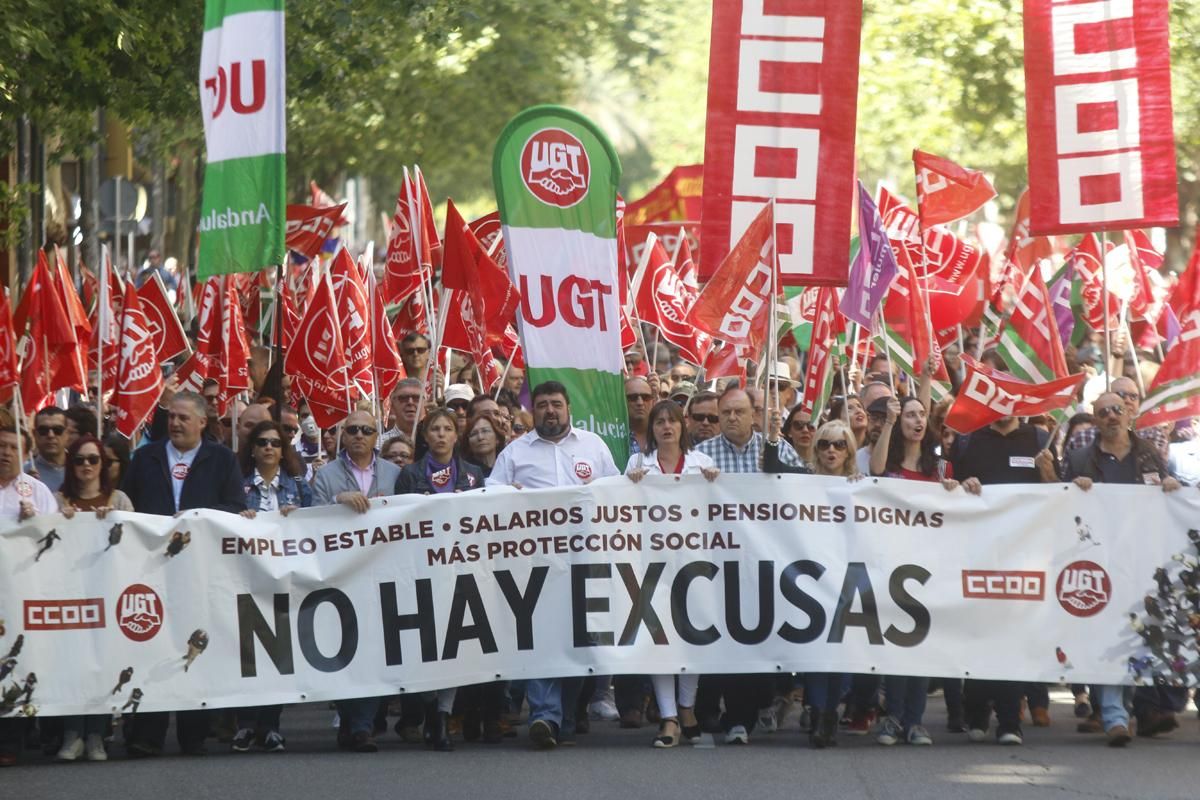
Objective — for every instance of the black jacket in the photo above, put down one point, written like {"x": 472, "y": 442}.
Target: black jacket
{"x": 214, "y": 481}
{"x": 1085, "y": 461}
{"x": 413, "y": 480}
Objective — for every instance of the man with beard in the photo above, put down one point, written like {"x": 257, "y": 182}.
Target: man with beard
{"x": 874, "y": 397}
{"x": 183, "y": 472}
{"x": 554, "y": 453}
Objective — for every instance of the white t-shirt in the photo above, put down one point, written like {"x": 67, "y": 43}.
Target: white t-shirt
{"x": 26, "y": 487}
{"x": 178, "y": 465}
{"x": 579, "y": 457}
{"x": 693, "y": 462}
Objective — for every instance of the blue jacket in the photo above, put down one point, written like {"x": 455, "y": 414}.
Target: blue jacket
{"x": 214, "y": 481}
{"x": 292, "y": 492}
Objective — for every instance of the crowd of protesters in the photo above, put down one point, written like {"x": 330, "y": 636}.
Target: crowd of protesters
{"x": 435, "y": 437}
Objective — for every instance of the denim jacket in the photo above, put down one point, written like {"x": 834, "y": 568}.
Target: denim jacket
{"x": 291, "y": 492}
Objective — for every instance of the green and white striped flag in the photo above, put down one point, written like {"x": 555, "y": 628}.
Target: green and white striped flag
{"x": 556, "y": 178}
{"x": 889, "y": 341}
{"x": 242, "y": 79}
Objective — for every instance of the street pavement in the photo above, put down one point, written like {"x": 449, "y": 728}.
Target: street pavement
{"x": 617, "y": 764}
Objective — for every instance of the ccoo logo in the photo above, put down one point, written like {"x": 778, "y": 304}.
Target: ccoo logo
{"x": 1083, "y": 588}
{"x": 555, "y": 167}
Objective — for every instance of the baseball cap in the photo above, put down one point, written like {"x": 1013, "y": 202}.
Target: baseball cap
{"x": 685, "y": 389}
{"x": 459, "y": 391}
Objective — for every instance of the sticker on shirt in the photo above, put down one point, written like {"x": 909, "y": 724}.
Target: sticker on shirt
{"x": 1020, "y": 462}
{"x": 24, "y": 489}
{"x": 1151, "y": 479}
{"x": 180, "y": 471}
{"x": 441, "y": 478}
{"x": 583, "y": 470}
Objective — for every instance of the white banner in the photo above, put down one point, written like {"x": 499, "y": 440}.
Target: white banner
{"x": 753, "y": 573}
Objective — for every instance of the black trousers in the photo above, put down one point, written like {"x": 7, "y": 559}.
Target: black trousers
{"x": 980, "y": 698}
{"x": 630, "y": 692}
{"x": 744, "y": 696}
{"x": 149, "y": 728}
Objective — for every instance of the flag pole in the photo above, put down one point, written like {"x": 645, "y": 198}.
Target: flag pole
{"x": 1104, "y": 303}
{"x": 503, "y": 376}
{"x": 772, "y": 332}
{"x": 1137, "y": 367}
{"x": 277, "y": 340}
{"x": 103, "y": 311}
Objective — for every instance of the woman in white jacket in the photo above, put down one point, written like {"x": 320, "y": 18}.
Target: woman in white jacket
{"x": 669, "y": 452}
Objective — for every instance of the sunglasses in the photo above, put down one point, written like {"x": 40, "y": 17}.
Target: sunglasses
{"x": 46, "y": 430}
{"x": 409, "y": 398}
{"x": 644, "y": 397}
{"x": 825, "y": 444}
{"x": 1114, "y": 410}
{"x": 807, "y": 426}
{"x": 518, "y": 428}
{"x": 263, "y": 441}
{"x": 359, "y": 430}
{"x": 414, "y": 351}
{"x": 1128, "y": 395}
{"x": 290, "y": 430}
{"x": 79, "y": 461}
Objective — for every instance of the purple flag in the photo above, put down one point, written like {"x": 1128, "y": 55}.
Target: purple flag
{"x": 1060, "y": 301}
{"x": 874, "y": 267}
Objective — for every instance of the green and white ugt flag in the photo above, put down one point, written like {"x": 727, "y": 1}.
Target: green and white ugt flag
{"x": 243, "y": 213}
{"x": 556, "y": 185}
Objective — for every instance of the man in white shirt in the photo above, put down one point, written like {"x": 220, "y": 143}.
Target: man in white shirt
{"x": 554, "y": 453}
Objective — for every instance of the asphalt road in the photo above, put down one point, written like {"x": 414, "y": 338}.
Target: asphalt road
{"x": 609, "y": 763}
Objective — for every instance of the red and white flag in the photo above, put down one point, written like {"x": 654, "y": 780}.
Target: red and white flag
{"x": 1098, "y": 116}
{"x": 139, "y": 378}
{"x": 463, "y": 264}
{"x": 387, "y": 366}
{"x": 9, "y": 376}
{"x": 988, "y": 395}
{"x": 317, "y": 360}
{"x": 685, "y": 264}
{"x": 935, "y": 251}
{"x": 1175, "y": 393}
{"x": 947, "y": 192}
{"x": 354, "y": 314}
{"x": 1087, "y": 259}
{"x": 308, "y": 227}
{"x": 165, "y": 329}
{"x": 827, "y": 324}
{"x": 737, "y": 304}
{"x": 49, "y": 339}
{"x": 782, "y": 112}
{"x": 663, "y": 300}
{"x": 322, "y": 199}
{"x": 1143, "y": 259}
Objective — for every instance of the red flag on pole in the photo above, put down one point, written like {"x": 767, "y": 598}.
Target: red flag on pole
{"x": 387, "y": 365}
{"x": 947, "y": 192}
{"x": 321, "y": 199}
{"x": 355, "y": 316}
{"x": 308, "y": 227}
{"x": 165, "y": 329}
{"x": 49, "y": 336}
{"x": 139, "y": 379}
{"x": 988, "y": 395}
{"x": 9, "y": 376}
{"x": 1087, "y": 259}
{"x": 317, "y": 361}
{"x": 663, "y": 300}
{"x": 736, "y": 305}
{"x": 462, "y": 271}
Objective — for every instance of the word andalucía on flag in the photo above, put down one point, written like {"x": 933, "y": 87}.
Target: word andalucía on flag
{"x": 243, "y": 214}
{"x": 1175, "y": 393}
{"x": 782, "y": 110}
{"x": 988, "y": 395}
{"x": 1099, "y": 121}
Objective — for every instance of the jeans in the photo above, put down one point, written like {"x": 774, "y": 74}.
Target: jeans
{"x": 1112, "y": 706}
{"x": 553, "y": 700}
{"x": 906, "y": 699}
{"x": 823, "y": 690}
{"x": 664, "y": 692}
{"x": 358, "y": 715}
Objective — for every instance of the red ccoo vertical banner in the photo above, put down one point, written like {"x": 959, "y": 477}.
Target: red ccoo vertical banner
{"x": 1099, "y": 121}
{"x": 782, "y": 108}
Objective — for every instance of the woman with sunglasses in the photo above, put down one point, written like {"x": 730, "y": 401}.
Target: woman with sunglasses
{"x": 798, "y": 428}
{"x": 273, "y": 478}
{"x": 908, "y": 450}
{"x": 87, "y": 486}
{"x": 398, "y": 450}
{"x": 834, "y": 455}
{"x": 852, "y": 408}
{"x": 439, "y": 470}
{"x": 669, "y": 452}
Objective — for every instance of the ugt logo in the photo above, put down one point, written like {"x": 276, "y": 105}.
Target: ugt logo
{"x": 555, "y": 168}
{"x": 221, "y": 89}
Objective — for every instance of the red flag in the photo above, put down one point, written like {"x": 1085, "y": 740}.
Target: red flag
{"x": 9, "y": 376}
{"x": 164, "y": 325}
{"x": 139, "y": 379}
{"x": 69, "y": 370}
{"x": 685, "y": 265}
{"x": 386, "y": 363}
{"x": 736, "y": 305}
{"x": 824, "y": 330}
{"x": 988, "y": 395}
{"x": 726, "y": 361}
{"x": 317, "y": 362}
{"x": 947, "y": 192}
{"x": 462, "y": 273}
{"x": 663, "y": 300}
{"x": 402, "y": 275}
{"x": 321, "y": 199}
{"x": 1032, "y": 319}
{"x": 1175, "y": 393}
{"x": 628, "y": 336}
{"x": 107, "y": 323}
{"x": 308, "y": 227}
{"x": 904, "y": 309}
{"x": 233, "y": 351}
{"x": 291, "y": 316}
{"x": 1143, "y": 258}
{"x": 354, "y": 314}
{"x": 1023, "y": 253}
{"x": 200, "y": 366}
{"x": 1087, "y": 259}
{"x": 935, "y": 251}
{"x": 43, "y": 320}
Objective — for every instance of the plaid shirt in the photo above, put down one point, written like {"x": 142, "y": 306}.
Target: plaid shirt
{"x": 745, "y": 459}
{"x": 1154, "y": 435}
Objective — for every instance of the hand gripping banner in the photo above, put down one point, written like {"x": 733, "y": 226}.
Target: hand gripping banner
{"x": 751, "y": 573}
{"x": 1099, "y": 120}
{"x": 782, "y": 108}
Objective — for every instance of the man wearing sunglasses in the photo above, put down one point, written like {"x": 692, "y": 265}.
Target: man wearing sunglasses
{"x": 1126, "y": 389}
{"x": 405, "y": 404}
{"x": 49, "y": 437}
{"x": 702, "y": 417}
{"x": 184, "y": 471}
{"x": 638, "y": 400}
{"x": 1117, "y": 456}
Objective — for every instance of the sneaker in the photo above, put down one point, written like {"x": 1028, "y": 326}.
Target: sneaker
{"x": 605, "y": 710}
{"x": 72, "y": 747}
{"x": 242, "y": 741}
{"x": 94, "y": 748}
{"x": 543, "y": 735}
{"x": 917, "y": 735}
{"x": 1118, "y": 736}
{"x": 977, "y": 734}
{"x": 766, "y": 721}
{"x": 274, "y": 742}
{"x": 890, "y": 732}
{"x": 861, "y": 723}
{"x": 1010, "y": 738}
{"x": 737, "y": 735}
{"x": 364, "y": 742}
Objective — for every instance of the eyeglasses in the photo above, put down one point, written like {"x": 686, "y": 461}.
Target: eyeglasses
{"x": 79, "y": 461}
{"x": 480, "y": 433}
{"x": 518, "y": 428}
{"x": 46, "y": 430}
{"x": 797, "y": 424}
{"x": 290, "y": 430}
{"x": 359, "y": 430}
{"x": 636, "y": 397}
{"x": 711, "y": 419}
{"x": 263, "y": 441}
{"x": 414, "y": 351}
{"x": 408, "y": 398}
{"x": 1128, "y": 395}
{"x": 1113, "y": 410}
{"x": 837, "y": 444}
